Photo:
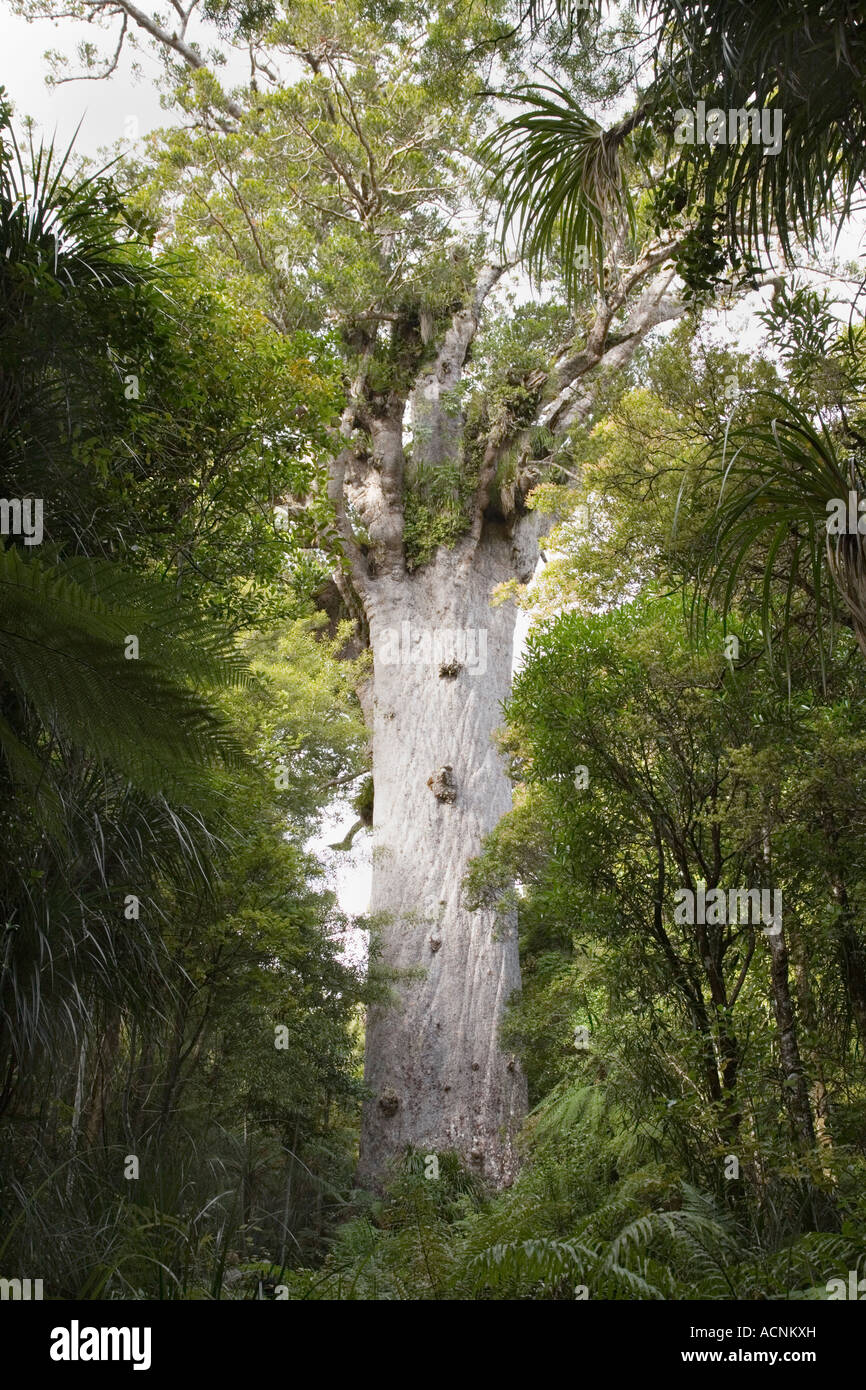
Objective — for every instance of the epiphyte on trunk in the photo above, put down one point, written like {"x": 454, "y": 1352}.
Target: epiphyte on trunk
{"x": 442, "y": 783}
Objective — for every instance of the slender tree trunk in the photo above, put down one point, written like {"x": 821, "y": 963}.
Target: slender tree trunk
{"x": 852, "y": 955}
{"x": 820, "y": 1099}
{"x": 106, "y": 1053}
{"x": 795, "y": 1086}
{"x": 75, "y": 1126}
{"x": 793, "y": 1076}
{"x": 442, "y": 668}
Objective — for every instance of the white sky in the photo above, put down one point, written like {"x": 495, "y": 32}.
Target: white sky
{"x": 104, "y": 107}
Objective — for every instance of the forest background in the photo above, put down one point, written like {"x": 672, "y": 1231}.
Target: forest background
{"x": 181, "y": 1030}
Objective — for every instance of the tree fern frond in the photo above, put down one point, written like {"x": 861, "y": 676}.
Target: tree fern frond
{"x": 63, "y": 650}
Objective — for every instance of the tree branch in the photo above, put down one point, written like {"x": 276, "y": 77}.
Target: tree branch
{"x": 177, "y": 43}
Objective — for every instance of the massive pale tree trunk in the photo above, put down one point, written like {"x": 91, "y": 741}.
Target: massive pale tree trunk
{"x": 442, "y": 661}
{"x": 442, "y": 668}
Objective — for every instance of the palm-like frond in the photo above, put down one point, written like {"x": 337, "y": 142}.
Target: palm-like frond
{"x": 108, "y": 768}
{"x": 563, "y": 179}
{"x": 619, "y": 1255}
{"x": 111, "y": 760}
{"x": 775, "y": 481}
{"x": 63, "y": 639}
{"x": 562, "y": 174}
{"x": 807, "y": 61}
{"x": 528, "y": 1262}
{"x": 66, "y": 227}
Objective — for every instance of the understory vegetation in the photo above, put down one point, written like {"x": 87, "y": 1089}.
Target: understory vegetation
{"x": 183, "y": 667}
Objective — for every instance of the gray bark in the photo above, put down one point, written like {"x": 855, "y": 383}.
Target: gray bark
{"x": 439, "y": 1078}
{"x": 442, "y": 660}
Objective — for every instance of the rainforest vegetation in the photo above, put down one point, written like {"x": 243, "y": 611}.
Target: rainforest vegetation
{"x": 429, "y": 319}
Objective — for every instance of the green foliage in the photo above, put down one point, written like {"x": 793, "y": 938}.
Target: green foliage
{"x": 774, "y": 486}
{"x": 563, "y": 183}
{"x": 803, "y": 62}
{"x": 780, "y": 476}
{"x": 566, "y": 178}
{"x": 436, "y": 509}
{"x": 558, "y": 1235}
{"x": 163, "y": 924}
{"x": 171, "y": 983}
